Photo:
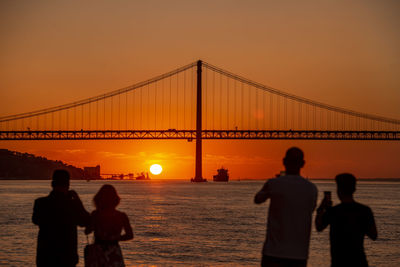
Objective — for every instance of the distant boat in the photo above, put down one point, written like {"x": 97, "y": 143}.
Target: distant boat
{"x": 143, "y": 177}
{"x": 222, "y": 175}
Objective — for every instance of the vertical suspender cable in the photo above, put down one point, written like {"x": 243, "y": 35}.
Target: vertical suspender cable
{"x": 89, "y": 117}
{"x": 358, "y": 123}
{"x": 242, "y": 107}
{"x": 234, "y": 104}
{"x": 205, "y": 102}
{"x": 177, "y": 100}
{"x": 278, "y": 113}
{"x": 249, "y": 101}
{"x": 256, "y": 112}
{"x": 193, "y": 72}
{"x": 333, "y": 121}
{"x": 133, "y": 109}
{"x": 315, "y": 118}
{"x": 155, "y": 106}
{"x": 162, "y": 103}
{"x": 227, "y": 103}
{"x": 170, "y": 101}
{"x": 111, "y": 112}
{"x": 60, "y": 120}
{"x": 97, "y": 115}
{"x": 126, "y": 110}
{"x": 285, "y": 112}
{"x": 213, "y": 102}
{"x": 184, "y": 100}
{"x": 300, "y": 117}
{"x": 119, "y": 111}
{"x": 329, "y": 121}
{"x": 141, "y": 109}
{"x": 220, "y": 101}
{"x": 271, "y": 108}
{"x": 75, "y": 108}
{"x": 306, "y": 128}
{"x": 263, "y": 109}
{"x": 148, "y": 107}
{"x": 321, "y": 118}
{"x": 293, "y": 116}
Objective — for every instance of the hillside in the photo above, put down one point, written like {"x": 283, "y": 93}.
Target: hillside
{"x": 16, "y": 165}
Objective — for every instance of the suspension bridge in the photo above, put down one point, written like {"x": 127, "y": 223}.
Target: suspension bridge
{"x": 195, "y": 102}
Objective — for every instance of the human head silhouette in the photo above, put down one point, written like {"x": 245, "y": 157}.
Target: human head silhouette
{"x": 346, "y": 185}
{"x": 106, "y": 198}
{"x": 293, "y": 160}
{"x": 60, "y": 180}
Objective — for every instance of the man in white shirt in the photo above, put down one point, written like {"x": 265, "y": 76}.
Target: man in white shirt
{"x": 293, "y": 200}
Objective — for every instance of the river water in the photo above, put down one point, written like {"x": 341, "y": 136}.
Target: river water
{"x": 178, "y": 223}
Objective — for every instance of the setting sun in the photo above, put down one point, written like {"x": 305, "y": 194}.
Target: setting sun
{"x": 156, "y": 169}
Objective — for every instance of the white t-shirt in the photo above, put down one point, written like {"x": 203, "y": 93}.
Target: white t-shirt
{"x": 293, "y": 199}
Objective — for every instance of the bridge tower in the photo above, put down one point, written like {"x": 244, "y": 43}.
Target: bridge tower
{"x": 198, "y": 172}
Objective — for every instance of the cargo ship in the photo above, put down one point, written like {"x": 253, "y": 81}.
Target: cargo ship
{"x": 222, "y": 175}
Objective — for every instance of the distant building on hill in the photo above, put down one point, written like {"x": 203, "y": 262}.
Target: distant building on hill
{"x": 92, "y": 172}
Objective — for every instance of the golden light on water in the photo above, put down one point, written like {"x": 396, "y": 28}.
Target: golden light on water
{"x": 156, "y": 169}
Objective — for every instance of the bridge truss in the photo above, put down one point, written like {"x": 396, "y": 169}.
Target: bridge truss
{"x": 191, "y": 135}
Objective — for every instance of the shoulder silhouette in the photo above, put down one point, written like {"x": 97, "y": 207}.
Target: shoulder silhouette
{"x": 58, "y": 216}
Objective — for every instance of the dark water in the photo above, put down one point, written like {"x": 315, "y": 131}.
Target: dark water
{"x": 177, "y": 223}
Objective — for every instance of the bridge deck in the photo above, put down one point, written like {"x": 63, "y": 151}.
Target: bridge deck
{"x": 206, "y": 134}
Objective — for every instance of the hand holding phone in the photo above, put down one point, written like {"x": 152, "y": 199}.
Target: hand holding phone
{"x": 327, "y": 199}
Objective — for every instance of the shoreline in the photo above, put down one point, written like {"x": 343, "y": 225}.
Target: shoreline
{"x": 232, "y": 180}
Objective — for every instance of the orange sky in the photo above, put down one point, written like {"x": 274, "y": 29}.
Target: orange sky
{"x": 343, "y": 53}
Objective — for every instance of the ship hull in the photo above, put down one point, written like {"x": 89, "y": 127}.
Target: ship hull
{"x": 220, "y": 179}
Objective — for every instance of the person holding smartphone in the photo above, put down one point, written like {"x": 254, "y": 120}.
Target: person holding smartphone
{"x": 58, "y": 216}
{"x": 349, "y": 223}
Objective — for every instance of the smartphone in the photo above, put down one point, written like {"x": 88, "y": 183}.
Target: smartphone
{"x": 328, "y": 195}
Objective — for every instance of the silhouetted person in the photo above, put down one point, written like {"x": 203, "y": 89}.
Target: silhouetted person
{"x": 107, "y": 224}
{"x": 58, "y": 216}
{"x": 350, "y": 222}
{"x": 293, "y": 199}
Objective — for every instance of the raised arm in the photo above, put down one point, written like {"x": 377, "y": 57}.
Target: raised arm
{"x": 36, "y": 217}
{"x": 320, "y": 222}
{"x": 127, "y": 229}
{"x": 322, "y": 218}
{"x": 371, "y": 230}
{"x": 262, "y": 195}
{"x": 82, "y": 216}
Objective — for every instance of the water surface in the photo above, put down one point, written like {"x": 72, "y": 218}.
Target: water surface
{"x": 178, "y": 223}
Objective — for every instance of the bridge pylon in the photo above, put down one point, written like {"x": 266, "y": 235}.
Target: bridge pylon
{"x": 199, "y": 171}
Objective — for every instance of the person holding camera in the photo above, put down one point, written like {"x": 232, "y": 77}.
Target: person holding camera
{"x": 349, "y": 223}
{"x": 58, "y": 216}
